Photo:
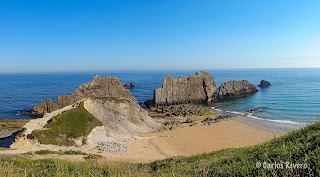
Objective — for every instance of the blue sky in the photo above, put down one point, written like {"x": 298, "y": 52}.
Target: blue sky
{"x": 65, "y": 35}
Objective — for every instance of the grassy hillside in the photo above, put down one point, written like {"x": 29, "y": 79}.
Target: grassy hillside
{"x": 74, "y": 123}
{"x": 302, "y": 146}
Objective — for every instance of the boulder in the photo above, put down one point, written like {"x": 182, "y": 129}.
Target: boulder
{"x": 149, "y": 103}
{"x": 194, "y": 89}
{"x": 99, "y": 87}
{"x": 170, "y": 125}
{"x": 188, "y": 121}
{"x": 264, "y": 84}
{"x": 235, "y": 89}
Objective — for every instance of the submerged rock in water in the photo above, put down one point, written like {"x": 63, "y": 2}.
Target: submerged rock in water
{"x": 194, "y": 89}
{"x": 254, "y": 110}
{"x": 235, "y": 89}
{"x": 264, "y": 84}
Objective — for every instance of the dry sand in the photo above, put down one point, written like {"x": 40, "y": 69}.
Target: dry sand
{"x": 208, "y": 138}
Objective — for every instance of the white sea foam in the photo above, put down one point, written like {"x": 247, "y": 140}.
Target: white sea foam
{"x": 235, "y": 112}
{"x": 218, "y": 110}
{"x": 280, "y": 121}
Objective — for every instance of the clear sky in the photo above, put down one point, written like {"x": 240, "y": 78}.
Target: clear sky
{"x": 76, "y": 35}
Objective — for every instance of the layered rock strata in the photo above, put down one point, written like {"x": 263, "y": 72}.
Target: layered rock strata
{"x": 98, "y": 87}
{"x": 194, "y": 89}
{"x": 120, "y": 115}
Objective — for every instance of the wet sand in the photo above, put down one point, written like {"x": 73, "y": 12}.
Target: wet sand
{"x": 269, "y": 125}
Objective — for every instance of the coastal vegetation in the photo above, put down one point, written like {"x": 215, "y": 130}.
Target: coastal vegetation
{"x": 65, "y": 127}
{"x": 298, "y": 147}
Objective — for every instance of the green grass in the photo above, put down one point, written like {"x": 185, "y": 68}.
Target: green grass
{"x": 66, "y": 127}
{"x": 21, "y": 166}
{"x": 45, "y": 152}
{"x": 301, "y": 146}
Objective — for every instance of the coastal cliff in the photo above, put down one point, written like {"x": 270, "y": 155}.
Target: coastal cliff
{"x": 194, "y": 89}
{"x": 120, "y": 115}
{"x": 99, "y": 87}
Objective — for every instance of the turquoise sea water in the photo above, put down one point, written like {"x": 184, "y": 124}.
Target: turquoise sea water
{"x": 293, "y": 97}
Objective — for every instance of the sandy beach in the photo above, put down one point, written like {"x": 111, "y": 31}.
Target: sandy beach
{"x": 186, "y": 141}
{"x": 194, "y": 140}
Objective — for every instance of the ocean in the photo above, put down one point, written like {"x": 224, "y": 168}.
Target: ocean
{"x": 293, "y": 97}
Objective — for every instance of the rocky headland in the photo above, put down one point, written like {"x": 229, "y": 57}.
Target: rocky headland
{"x": 99, "y": 87}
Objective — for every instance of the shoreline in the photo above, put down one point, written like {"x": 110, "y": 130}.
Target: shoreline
{"x": 269, "y": 125}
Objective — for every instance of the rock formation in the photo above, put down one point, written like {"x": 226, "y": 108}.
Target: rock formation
{"x": 128, "y": 85}
{"x": 194, "y": 89}
{"x": 120, "y": 115}
{"x": 45, "y": 106}
{"x": 180, "y": 110}
{"x": 99, "y": 87}
{"x": 264, "y": 84}
{"x": 235, "y": 89}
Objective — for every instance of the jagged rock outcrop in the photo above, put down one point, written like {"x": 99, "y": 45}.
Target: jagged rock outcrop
{"x": 120, "y": 115}
{"x": 264, "y": 84}
{"x": 196, "y": 88}
{"x": 235, "y": 89}
{"x": 98, "y": 87}
{"x": 45, "y": 106}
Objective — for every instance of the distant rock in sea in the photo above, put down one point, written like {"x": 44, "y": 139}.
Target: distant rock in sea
{"x": 98, "y": 87}
{"x": 128, "y": 85}
{"x": 235, "y": 89}
{"x": 264, "y": 84}
{"x": 194, "y": 89}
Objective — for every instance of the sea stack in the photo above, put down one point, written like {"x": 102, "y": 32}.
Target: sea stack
{"x": 264, "y": 84}
{"x": 235, "y": 89}
{"x": 194, "y": 89}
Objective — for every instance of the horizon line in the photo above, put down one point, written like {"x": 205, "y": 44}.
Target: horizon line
{"x": 140, "y": 70}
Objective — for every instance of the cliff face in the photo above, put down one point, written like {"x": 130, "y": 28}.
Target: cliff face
{"x": 196, "y": 88}
{"x": 120, "y": 115}
{"x": 99, "y": 87}
{"x": 235, "y": 89}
